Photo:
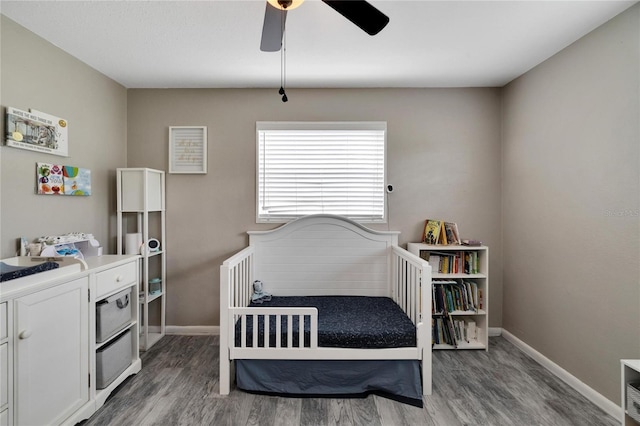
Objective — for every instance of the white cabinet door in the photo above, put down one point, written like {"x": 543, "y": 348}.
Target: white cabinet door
{"x": 52, "y": 353}
{"x": 4, "y": 375}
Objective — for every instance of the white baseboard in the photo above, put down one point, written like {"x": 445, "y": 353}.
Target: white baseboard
{"x": 193, "y": 330}
{"x": 605, "y": 404}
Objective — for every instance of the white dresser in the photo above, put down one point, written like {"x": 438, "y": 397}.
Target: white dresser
{"x": 48, "y": 346}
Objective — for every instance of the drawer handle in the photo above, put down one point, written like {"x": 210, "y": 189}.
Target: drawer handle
{"x": 119, "y": 278}
{"x": 123, "y": 302}
{"x": 25, "y": 334}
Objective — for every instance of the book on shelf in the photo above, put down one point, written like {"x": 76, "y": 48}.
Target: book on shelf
{"x": 461, "y": 330}
{"x": 432, "y": 231}
{"x": 452, "y": 331}
{"x": 442, "y": 239}
{"x": 434, "y": 262}
{"x": 471, "y": 265}
{"x": 440, "y": 232}
{"x": 473, "y": 243}
{"x": 472, "y": 293}
{"x": 445, "y": 332}
{"x": 471, "y": 330}
{"x": 451, "y": 233}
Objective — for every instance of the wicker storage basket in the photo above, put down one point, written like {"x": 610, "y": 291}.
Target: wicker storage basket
{"x": 633, "y": 401}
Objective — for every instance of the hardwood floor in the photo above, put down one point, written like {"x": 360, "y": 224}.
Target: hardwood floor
{"x": 178, "y": 385}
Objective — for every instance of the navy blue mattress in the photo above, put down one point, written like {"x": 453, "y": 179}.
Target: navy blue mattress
{"x": 343, "y": 322}
{"x": 9, "y": 272}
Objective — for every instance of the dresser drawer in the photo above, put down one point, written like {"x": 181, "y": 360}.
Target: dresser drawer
{"x": 3, "y": 320}
{"x": 4, "y": 374}
{"x": 115, "y": 278}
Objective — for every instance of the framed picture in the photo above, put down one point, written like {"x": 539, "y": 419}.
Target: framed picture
{"x": 36, "y": 131}
{"x": 57, "y": 179}
{"x": 188, "y": 149}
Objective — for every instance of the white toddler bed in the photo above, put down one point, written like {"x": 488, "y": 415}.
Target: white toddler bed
{"x": 320, "y": 255}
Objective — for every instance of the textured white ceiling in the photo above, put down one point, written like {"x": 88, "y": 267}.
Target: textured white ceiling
{"x": 215, "y": 43}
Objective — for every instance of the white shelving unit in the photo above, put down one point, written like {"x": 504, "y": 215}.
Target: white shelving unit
{"x": 141, "y": 198}
{"x": 630, "y": 373}
{"x": 110, "y": 280}
{"x": 480, "y": 277}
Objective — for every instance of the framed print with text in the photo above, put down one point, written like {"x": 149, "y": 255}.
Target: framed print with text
{"x": 188, "y": 149}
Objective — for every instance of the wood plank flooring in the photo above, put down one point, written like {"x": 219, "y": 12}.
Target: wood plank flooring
{"x": 178, "y": 385}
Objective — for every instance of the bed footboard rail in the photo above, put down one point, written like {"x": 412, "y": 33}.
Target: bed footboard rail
{"x": 411, "y": 284}
{"x": 236, "y": 281}
{"x": 411, "y": 288}
{"x": 275, "y": 331}
{"x": 237, "y": 272}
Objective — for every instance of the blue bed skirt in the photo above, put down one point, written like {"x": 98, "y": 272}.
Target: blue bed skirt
{"x": 396, "y": 379}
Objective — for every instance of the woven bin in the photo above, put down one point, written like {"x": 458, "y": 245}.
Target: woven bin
{"x": 633, "y": 401}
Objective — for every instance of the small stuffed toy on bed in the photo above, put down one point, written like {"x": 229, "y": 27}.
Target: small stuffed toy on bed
{"x": 259, "y": 295}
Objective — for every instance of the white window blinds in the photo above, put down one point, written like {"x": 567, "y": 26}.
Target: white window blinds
{"x": 310, "y": 168}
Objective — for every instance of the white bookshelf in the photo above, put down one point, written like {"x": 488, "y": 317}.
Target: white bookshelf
{"x": 480, "y": 316}
{"x": 141, "y": 199}
{"x": 630, "y": 373}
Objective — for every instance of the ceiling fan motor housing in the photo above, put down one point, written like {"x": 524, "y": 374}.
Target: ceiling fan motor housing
{"x": 359, "y": 12}
{"x": 285, "y": 5}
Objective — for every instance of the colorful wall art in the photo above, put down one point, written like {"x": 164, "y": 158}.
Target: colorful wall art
{"x": 36, "y": 131}
{"x": 56, "y": 179}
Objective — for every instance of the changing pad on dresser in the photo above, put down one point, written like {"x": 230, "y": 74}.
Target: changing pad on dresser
{"x": 11, "y": 272}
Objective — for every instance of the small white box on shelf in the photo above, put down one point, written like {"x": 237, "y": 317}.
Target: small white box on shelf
{"x": 472, "y": 331}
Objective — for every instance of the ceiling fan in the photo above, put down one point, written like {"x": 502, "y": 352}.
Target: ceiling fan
{"x": 360, "y": 12}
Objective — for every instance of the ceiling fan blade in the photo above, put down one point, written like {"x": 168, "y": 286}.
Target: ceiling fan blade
{"x": 361, "y": 13}
{"x": 272, "y": 29}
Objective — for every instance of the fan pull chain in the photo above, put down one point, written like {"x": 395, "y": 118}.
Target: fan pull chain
{"x": 283, "y": 61}
{"x": 284, "y": 74}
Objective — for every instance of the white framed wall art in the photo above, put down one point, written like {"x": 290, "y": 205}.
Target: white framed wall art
{"x": 188, "y": 149}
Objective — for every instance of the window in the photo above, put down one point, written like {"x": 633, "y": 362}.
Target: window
{"x": 309, "y": 168}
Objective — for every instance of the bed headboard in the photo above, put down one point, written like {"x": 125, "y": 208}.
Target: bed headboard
{"x": 323, "y": 255}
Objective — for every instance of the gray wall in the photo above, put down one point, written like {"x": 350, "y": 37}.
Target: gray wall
{"x": 443, "y": 159}
{"x": 571, "y": 161}
{"x": 36, "y": 74}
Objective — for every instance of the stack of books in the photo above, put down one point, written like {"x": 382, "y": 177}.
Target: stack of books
{"x": 440, "y": 232}
{"x": 452, "y": 262}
